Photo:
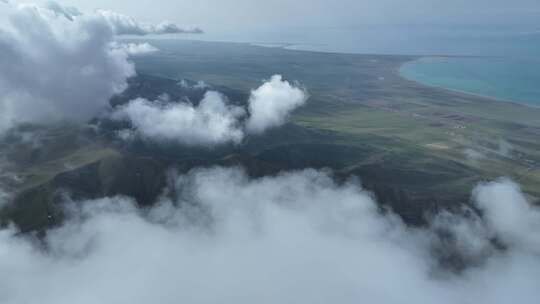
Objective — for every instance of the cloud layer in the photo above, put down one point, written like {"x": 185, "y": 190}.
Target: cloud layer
{"x": 293, "y": 238}
{"x": 213, "y": 121}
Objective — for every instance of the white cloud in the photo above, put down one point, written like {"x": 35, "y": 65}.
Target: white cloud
{"x": 58, "y": 63}
{"x": 125, "y": 25}
{"x": 209, "y": 123}
{"x": 509, "y": 213}
{"x": 67, "y": 12}
{"x": 135, "y": 49}
{"x": 55, "y": 68}
{"x": 199, "y": 85}
{"x": 213, "y": 121}
{"x": 294, "y": 238}
{"x": 271, "y": 104}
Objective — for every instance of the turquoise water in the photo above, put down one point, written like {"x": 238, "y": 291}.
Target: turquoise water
{"x": 512, "y": 79}
{"x": 507, "y": 65}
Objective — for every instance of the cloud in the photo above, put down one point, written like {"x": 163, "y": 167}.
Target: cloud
{"x": 510, "y": 214}
{"x": 473, "y": 154}
{"x": 55, "y": 68}
{"x": 293, "y": 238}
{"x": 209, "y": 123}
{"x": 67, "y": 12}
{"x": 4, "y": 197}
{"x": 271, "y": 104}
{"x": 213, "y": 121}
{"x": 199, "y": 85}
{"x": 7, "y": 180}
{"x": 136, "y": 49}
{"x": 505, "y": 148}
{"x": 125, "y": 25}
{"x": 58, "y": 63}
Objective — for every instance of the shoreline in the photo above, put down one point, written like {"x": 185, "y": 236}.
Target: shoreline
{"x": 462, "y": 92}
{"x": 406, "y": 58}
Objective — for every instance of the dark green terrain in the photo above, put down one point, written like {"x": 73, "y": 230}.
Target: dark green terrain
{"x": 404, "y": 141}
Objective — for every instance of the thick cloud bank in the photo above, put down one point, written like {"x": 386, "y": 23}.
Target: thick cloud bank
{"x": 211, "y": 122}
{"x": 293, "y": 238}
{"x": 214, "y": 121}
{"x": 270, "y": 104}
{"x": 56, "y": 68}
{"x": 58, "y": 63}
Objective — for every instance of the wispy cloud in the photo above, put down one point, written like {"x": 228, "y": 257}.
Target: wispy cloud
{"x": 135, "y": 49}
{"x": 125, "y": 25}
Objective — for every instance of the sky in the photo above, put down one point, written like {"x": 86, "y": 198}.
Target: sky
{"x": 418, "y": 27}
{"x": 241, "y": 15}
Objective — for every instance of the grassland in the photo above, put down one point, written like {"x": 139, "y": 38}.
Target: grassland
{"x": 364, "y": 101}
{"x": 414, "y": 146}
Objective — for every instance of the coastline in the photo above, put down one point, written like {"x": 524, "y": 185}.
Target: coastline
{"x": 406, "y": 59}
{"x": 414, "y": 58}
{"x": 461, "y": 92}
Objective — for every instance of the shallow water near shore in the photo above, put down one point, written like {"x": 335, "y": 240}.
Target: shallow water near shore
{"x": 506, "y": 79}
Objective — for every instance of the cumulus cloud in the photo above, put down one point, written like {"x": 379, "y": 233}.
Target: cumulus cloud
{"x": 58, "y": 63}
{"x": 211, "y": 122}
{"x": 56, "y": 68}
{"x": 509, "y": 214}
{"x": 293, "y": 238}
{"x": 125, "y": 25}
{"x": 271, "y": 103}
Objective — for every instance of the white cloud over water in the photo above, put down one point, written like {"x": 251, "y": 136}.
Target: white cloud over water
{"x": 293, "y": 238}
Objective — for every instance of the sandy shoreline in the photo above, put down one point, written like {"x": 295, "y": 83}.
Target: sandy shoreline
{"x": 491, "y": 98}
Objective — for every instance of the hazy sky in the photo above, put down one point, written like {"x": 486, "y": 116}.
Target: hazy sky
{"x": 242, "y": 15}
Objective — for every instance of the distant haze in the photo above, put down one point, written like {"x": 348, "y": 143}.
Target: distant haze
{"x": 218, "y": 15}
{"x": 418, "y": 27}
